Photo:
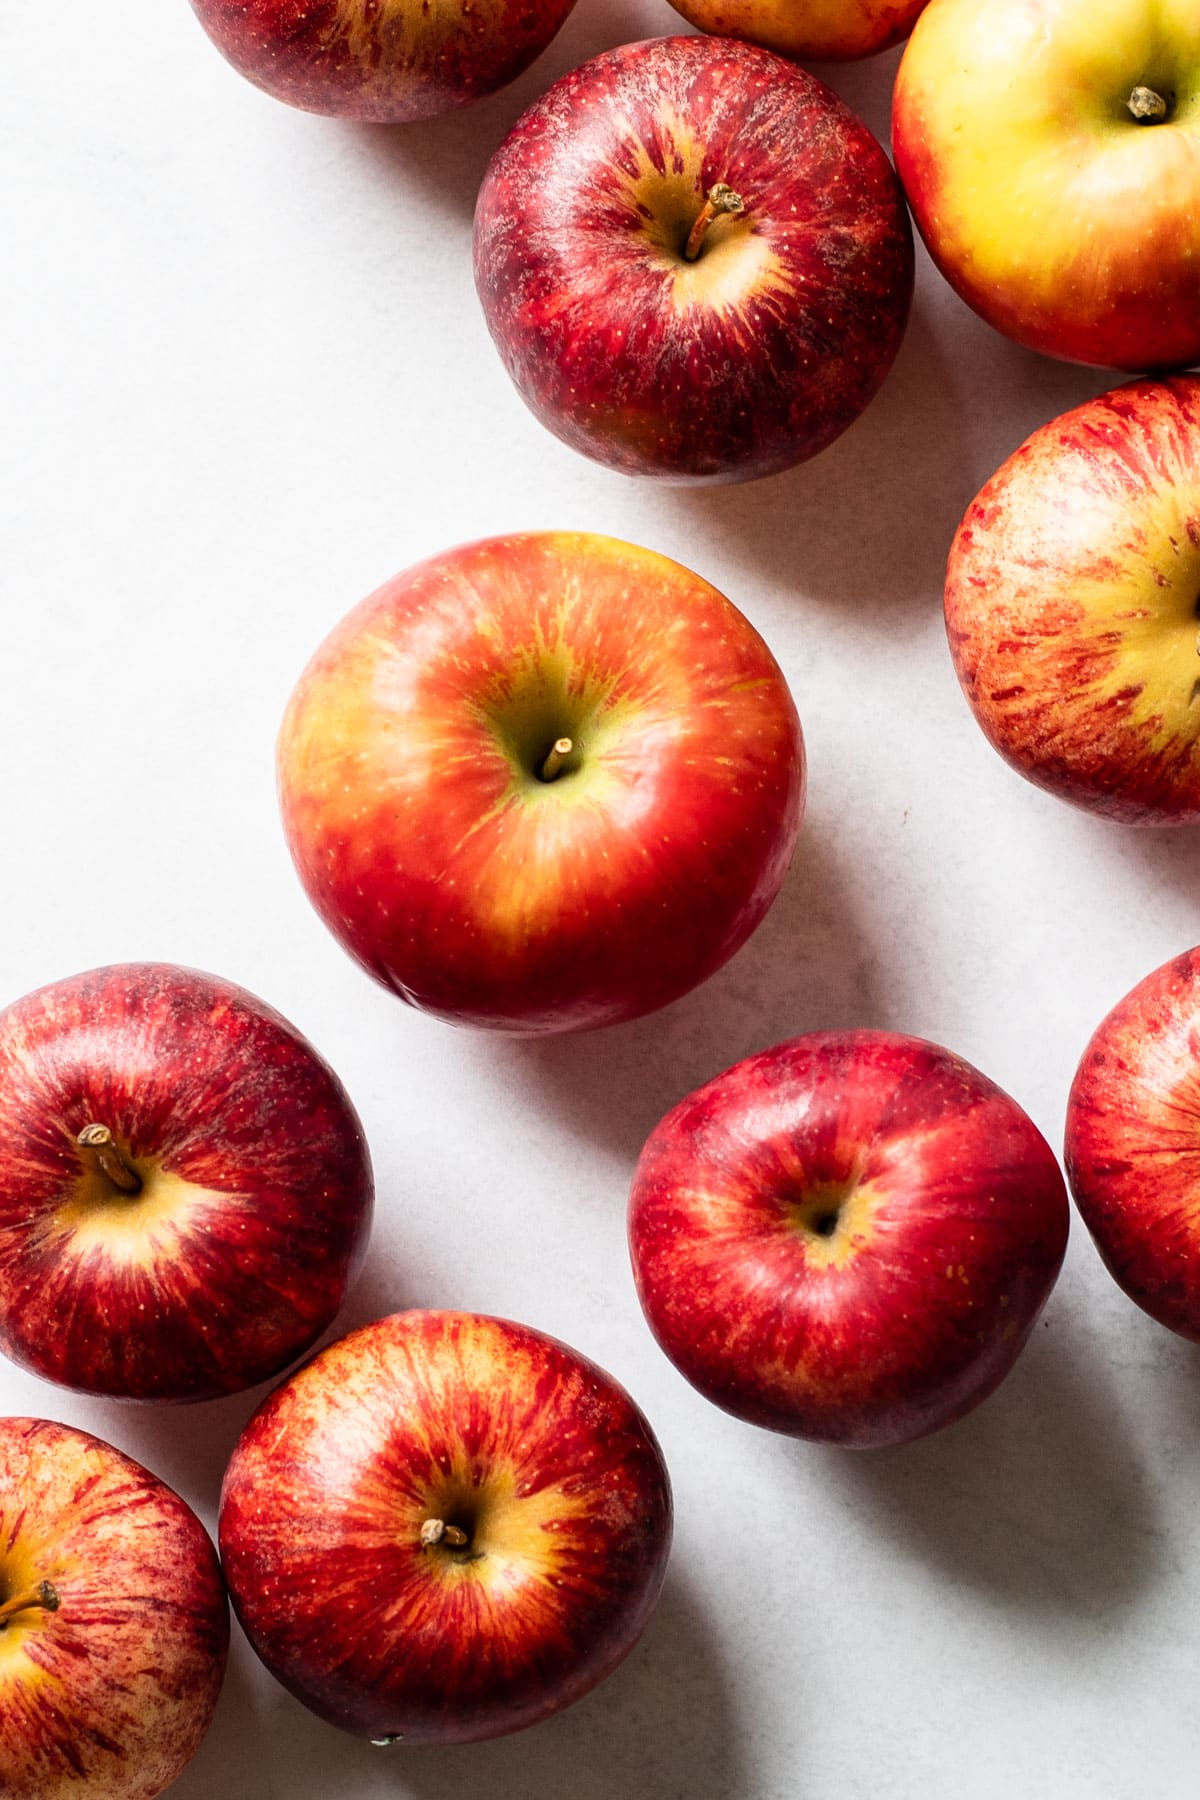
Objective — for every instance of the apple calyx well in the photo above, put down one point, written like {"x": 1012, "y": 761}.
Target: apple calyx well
{"x": 556, "y": 756}
{"x": 100, "y": 1153}
{"x": 1148, "y": 106}
{"x": 42, "y": 1594}
{"x": 719, "y": 199}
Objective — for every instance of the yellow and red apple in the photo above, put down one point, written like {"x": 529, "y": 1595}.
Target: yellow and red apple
{"x": 1072, "y": 604}
{"x": 542, "y": 782}
{"x": 1051, "y": 153}
{"x": 445, "y": 1528}
{"x": 694, "y": 260}
{"x": 1133, "y": 1143}
{"x": 382, "y": 60}
{"x": 114, "y": 1626}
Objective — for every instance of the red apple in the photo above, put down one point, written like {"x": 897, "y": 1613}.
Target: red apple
{"x": 185, "y": 1191}
{"x": 385, "y": 60}
{"x": 113, "y": 1622}
{"x": 1133, "y": 1143}
{"x": 847, "y": 1237}
{"x": 488, "y": 874}
{"x": 445, "y": 1528}
{"x": 694, "y": 260}
{"x": 1051, "y": 155}
{"x": 822, "y": 30}
{"x": 1071, "y": 605}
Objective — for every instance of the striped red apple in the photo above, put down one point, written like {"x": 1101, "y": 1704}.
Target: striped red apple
{"x": 445, "y": 1528}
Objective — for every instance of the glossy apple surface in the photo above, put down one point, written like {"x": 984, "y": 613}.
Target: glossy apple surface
{"x": 847, "y": 1237}
{"x": 113, "y": 1622}
{"x": 383, "y": 60}
{"x": 746, "y": 359}
{"x": 444, "y": 1528}
{"x": 411, "y": 766}
{"x": 1072, "y": 605}
{"x": 210, "y": 1243}
{"x": 820, "y": 30}
{"x": 1064, "y": 220}
{"x": 1133, "y": 1143}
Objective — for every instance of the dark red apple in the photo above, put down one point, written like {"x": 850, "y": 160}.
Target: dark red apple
{"x": 382, "y": 60}
{"x": 113, "y": 1622}
{"x": 694, "y": 260}
{"x": 847, "y": 1237}
{"x": 185, "y": 1191}
{"x": 1133, "y": 1143}
{"x": 444, "y": 1528}
{"x": 486, "y": 873}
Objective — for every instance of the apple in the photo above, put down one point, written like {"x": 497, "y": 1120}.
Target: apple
{"x": 820, "y": 30}
{"x": 542, "y": 782}
{"x": 382, "y": 60}
{"x": 694, "y": 260}
{"x": 1133, "y": 1143}
{"x": 114, "y": 1626}
{"x": 847, "y": 1237}
{"x": 444, "y": 1528}
{"x": 1072, "y": 610}
{"x": 1051, "y": 155}
{"x": 185, "y": 1192}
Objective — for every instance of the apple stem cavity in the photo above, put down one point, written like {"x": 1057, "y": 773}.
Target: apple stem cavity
{"x": 436, "y": 1531}
{"x": 1147, "y": 106}
{"x": 100, "y": 1152}
{"x": 556, "y": 756}
{"x": 719, "y": 199}
{"x": 43, "y": 1594}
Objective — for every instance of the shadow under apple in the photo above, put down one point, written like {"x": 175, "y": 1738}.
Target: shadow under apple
{"x": 446, "y": 156}
{"x": 662, "y": 1724}
{"x": 808, "y": 967}
{"x": 1037, "y": 1499}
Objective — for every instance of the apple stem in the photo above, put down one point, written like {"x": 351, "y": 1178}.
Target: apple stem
{"x": 436, "y": 1531}
{"x": 557, "y": 755}
{"x": 1147, "y": 107}
{"x": 99, "y": 1151}
{"x": 43, "y": 1595}
{"x": 719, "y": 199}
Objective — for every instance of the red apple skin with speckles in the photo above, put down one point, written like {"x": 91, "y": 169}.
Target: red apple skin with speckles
{"x": 108, "y": 1690}
{"x": 847, "y": 1237}
{"x": 382, "y": 61}
{"x": 537, "y": 1458}
{"x": 750, "y": 358}
{"x": 409, "y": 782}
{"x": 1133, "y": 1143}
{"x": 256, "y": 1196}
{"x": 1071, "y": 605}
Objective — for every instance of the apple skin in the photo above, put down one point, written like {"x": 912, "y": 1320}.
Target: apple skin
{"x": 812, "y": 30}
{"x": 1133, "y": 1143}
{"x": 386, "y": 61}
{"x": 412, "y": 806}
{"x": 847, "y": 1237}
{"x": 481, "y": 1423}
{"x": 256, "y": 1197}
{"x": 743, "y": 362}
{"x": 1071, "y": 605}
{"x": 111, "y": 1694}
{"x": 1060, "y": 219}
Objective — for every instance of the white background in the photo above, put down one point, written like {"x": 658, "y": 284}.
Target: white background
{"x": 245, "y": 379}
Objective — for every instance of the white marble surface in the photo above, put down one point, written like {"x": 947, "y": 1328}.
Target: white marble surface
{"x": 244, "y": 379}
